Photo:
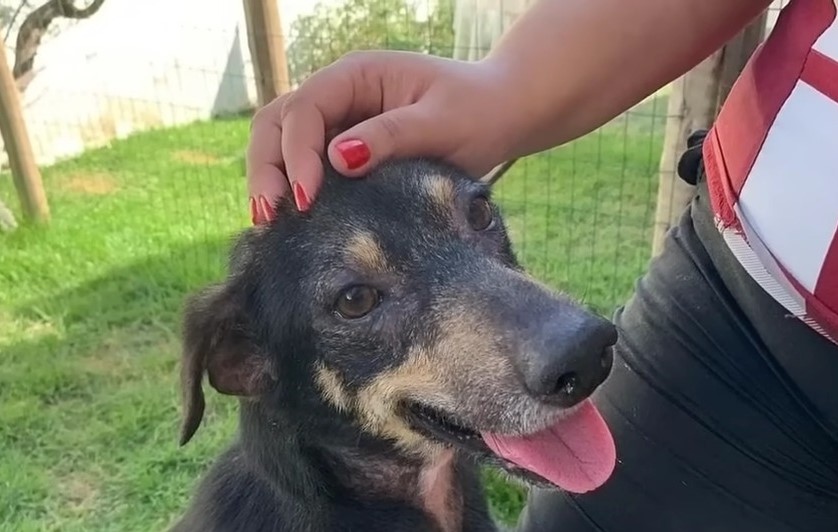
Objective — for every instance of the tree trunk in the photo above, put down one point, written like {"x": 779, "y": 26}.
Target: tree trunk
{"x": 693, "y": 104}
{"x": 267, "y": 49}
{"x": 25, "y": 173}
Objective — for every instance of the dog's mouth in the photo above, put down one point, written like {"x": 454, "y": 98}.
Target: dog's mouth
{"x": 436, "y": 424}
{"x": 575, "y": 452}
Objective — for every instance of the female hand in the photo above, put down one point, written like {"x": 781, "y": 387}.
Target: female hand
{"x": 394, "y": 104}
{"x": 562, "y": 70}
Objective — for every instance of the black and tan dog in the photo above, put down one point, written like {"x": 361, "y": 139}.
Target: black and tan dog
{"x": 384, "y": 344}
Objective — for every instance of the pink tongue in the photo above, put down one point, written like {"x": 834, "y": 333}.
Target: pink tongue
{"x": 576, "y": 454}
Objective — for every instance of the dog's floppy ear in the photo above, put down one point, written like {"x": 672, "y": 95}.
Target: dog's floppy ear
{"x": 217, "y": 339}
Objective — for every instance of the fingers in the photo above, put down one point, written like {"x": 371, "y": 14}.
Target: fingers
{"x": 280, "y": 164}
{"x": 288, "y": 136}
{"x": 266, "y": 180}
{"x": 331, "y": 97}
{"x": 265, "y": 188}
{"x": 277, "y": 164}
{"x": 404, "y": 131}
{"x": 302, "y": 149}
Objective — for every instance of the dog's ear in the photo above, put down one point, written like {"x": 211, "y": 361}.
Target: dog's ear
{"x": 217, "y": 338}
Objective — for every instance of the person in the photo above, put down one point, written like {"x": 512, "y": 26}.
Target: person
{"x": 722, "y": 401}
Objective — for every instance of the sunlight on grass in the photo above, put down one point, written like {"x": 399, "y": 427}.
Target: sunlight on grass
{"x": 90, "y": 306}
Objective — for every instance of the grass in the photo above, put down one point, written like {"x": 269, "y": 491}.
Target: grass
{"x": 89, "y": 306}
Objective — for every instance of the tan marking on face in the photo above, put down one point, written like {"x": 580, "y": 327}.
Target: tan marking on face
{"x": 378, "y": 401}
{"x": 332, "y": 388}
{"x": 467, "y": 345}
{"x": 483, "y": 375}
{"x": 467, "y": 372}
{"x": 463, "y": 356}
{"x": 440, "y": 190}
{"x": 364, "y": 251}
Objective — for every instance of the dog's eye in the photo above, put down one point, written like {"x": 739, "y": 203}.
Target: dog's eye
{"x": 479, "y": 214}
{"x": 357, "y": 301}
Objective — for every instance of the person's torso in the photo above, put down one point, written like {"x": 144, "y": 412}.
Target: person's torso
{"x": 771, "y": 161}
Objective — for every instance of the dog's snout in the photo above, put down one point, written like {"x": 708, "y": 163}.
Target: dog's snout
{"x": 571, "y": 361}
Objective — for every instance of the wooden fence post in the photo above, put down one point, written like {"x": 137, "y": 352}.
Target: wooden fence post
{"x": 693, "y": 104}
{"x": 26, "y": 175}
{"x": 267, "y": 49}
{"x": 736, "y": 53}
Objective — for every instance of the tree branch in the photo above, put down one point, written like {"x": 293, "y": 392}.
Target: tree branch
{"x": 13, "y": 19}
{"x": 33, "y": 29}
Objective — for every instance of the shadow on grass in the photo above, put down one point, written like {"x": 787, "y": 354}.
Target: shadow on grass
{"x": 91, "y": 406}
{"x": 147, "y": 293}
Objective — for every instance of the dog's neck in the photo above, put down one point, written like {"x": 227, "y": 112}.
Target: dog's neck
{"x": 367, "y": 469}
{"x": 440, "y": 492}
{"x": 429, "y": 484}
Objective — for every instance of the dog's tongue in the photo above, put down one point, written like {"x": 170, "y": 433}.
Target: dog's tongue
{"x": 577, "y": 453}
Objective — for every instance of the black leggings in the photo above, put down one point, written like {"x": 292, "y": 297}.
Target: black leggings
{"x": 724, "y": 409}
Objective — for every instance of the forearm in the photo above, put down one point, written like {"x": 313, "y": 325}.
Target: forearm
{"x": 571, "y": 65}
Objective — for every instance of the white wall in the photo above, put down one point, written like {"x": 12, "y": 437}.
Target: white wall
{"x": 133, "y": 65}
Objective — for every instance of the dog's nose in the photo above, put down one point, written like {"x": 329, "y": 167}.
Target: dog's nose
{"x": 572, "y": 361}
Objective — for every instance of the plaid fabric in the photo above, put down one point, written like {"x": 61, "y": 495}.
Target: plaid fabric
{"x": 771, "y": 162}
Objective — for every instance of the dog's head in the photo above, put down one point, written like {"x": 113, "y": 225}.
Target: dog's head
{"x": 397, "y": 301}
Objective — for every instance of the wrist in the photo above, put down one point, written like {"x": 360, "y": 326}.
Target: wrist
{"x": 513, "y": 115}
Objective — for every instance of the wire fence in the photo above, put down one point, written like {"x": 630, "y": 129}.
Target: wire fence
{"x": 581, "y": 215}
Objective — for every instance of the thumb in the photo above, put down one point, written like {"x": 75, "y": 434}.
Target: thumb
{"x": 402, "y": 132}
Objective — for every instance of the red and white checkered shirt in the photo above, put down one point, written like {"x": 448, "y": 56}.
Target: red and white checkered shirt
{"x": 771, "y": 162}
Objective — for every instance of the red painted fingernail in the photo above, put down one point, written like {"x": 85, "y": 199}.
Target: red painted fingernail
{"x": 300, "y": 197}
{"x": 267, "y": 208}
{"x": 354, "y": 153}
{"x": 255, "y": 217}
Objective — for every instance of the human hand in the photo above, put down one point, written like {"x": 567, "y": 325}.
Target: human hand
{"x": 394, "y": 104}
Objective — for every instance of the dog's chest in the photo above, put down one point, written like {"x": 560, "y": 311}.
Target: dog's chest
{"x": 432, "y": 487}
{"x": 439, "y": 495}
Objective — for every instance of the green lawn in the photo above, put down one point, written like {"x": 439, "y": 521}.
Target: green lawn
{"x": 89, "y": 307}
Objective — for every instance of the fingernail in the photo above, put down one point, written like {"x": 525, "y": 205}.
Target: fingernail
{"x": 354, "y": 153}
{"x": 300, "y": 197}
{"x": 255, "y": 217}
{"x": 267, "y": 208}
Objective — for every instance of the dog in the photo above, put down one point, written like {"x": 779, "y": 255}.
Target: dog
{"x": 385, "y": 345}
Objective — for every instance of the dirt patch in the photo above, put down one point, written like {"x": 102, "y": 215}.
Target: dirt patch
{"x": 92, "y": 184}
{"x": 78, "y": 492}
{"x": 195, "y": 157}
{"x": 28, "y": 329}
{"x": 120, "y": 353}
{"x": 106, "y": 366}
